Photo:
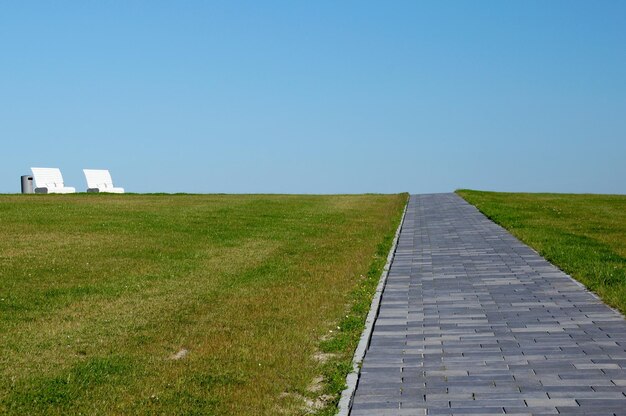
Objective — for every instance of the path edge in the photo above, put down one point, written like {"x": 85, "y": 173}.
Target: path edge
{"x": 578, "y": 283}
{"x": 345, "y": 402}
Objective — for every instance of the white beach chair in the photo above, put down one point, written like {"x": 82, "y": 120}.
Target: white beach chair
{"x": 99, "y": 180}
{"x": 50, "y": 181}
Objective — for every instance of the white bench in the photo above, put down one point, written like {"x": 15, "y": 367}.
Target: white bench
{"x": 99, "y": 180}
{"x": 50, "y": 181}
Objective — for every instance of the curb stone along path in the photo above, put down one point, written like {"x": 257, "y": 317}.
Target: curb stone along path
{"x": 474, "y": 322}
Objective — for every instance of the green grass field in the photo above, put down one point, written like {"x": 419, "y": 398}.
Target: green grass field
{"x": 584, "y": 235}
{"x": 185, "y": 304}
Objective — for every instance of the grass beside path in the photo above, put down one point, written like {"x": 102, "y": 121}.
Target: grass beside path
{"x": 184, "y": 304}
{"x": 584, "y": 235}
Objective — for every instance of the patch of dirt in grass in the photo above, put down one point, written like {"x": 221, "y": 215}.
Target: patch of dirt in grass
{"x": 309, "y": 405}
{"x": 316, "y": 385}
{"x": 179, "y": 355}
{"x": 323, "y": 357}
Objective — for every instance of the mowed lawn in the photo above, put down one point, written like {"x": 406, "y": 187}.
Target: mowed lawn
{"x": 184, "y": 304}
{"x": 584, "y": 235}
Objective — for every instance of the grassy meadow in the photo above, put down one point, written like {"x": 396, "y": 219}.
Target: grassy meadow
{"x": 185, "y": 304}
{"x": 584, "y": 235}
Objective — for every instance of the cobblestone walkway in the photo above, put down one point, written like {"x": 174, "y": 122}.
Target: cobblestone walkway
{"x": 473, "y": 322}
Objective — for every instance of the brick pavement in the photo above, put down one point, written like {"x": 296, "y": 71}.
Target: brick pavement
{"x": 473, "y": 322}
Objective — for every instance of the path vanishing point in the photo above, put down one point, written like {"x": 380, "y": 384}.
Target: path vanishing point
{"x": 474, "y": 322}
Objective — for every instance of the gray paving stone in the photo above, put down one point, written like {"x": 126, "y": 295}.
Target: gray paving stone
{"x": 472, "y": 321}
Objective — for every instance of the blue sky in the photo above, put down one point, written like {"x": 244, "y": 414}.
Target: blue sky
{"x": 316, "y": 97}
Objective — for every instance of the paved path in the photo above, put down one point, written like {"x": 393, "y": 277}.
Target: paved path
{"x": 474, "y": 322}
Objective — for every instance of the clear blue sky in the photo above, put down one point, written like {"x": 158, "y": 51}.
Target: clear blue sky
{"x": 316, "y": 97}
